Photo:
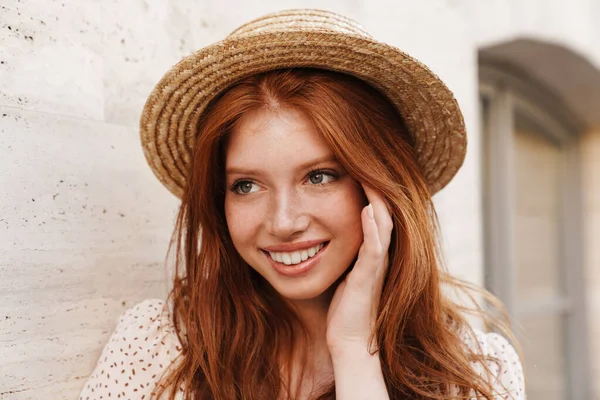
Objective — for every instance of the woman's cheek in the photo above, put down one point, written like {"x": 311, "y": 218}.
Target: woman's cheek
{"x": 349, "y": 203}
{"x": 240, "y": 220}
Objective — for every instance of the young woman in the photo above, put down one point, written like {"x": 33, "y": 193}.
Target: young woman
{"x": 305, "y": 154}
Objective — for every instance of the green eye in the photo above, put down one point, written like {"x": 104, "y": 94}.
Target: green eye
{"x": 245, "y": 187}
{"x": 320, "y": 178}
{"x": 316, "y": 178}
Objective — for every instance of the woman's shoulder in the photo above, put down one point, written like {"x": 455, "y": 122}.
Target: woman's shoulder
{"x": 142, "y": 347}
{"x": 502, "y": 361}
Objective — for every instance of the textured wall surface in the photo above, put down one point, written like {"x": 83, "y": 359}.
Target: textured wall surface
{"x": 84, "y": 226}
{"x": 84, "y": 229}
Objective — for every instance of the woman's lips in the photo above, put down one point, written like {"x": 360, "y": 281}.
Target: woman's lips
{"x": 296, "y": 269}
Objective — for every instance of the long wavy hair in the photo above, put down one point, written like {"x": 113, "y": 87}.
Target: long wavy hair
{"x": 234, "y": 329}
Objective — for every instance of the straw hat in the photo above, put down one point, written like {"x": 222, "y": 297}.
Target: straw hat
{"x": 301, "y": 38}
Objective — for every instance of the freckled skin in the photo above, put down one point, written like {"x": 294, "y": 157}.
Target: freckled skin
{"x": 285, "y": 206}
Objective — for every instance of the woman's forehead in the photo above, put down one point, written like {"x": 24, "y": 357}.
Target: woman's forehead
{"x": 281, "y": 136}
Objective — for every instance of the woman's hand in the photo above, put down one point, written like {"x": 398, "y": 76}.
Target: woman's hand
{"x": 353, "y": 310}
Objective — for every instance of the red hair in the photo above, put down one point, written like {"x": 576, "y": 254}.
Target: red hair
{"x": 235, "y": 335}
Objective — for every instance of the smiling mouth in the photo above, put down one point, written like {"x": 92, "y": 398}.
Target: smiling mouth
{"x": 291, "y": 258}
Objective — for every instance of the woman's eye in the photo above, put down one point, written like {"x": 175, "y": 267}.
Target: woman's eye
{"x": 320, "y": 178}
{"x": 246, "y": 187}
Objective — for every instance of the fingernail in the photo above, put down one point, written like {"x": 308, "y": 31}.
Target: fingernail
{"x": 370, "y": 210}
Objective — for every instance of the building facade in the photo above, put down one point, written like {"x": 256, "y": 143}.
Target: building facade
{"x": 84, "y": 225}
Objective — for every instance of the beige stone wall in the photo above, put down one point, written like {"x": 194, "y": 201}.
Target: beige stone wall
{"x": 590, "y": 148}
{"x": 84, "y": 225}
{"x": 83, "y": 230}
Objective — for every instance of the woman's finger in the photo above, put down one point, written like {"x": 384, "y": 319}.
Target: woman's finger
{"x": 371, "y": 253}
{"x": 382, "y": 215}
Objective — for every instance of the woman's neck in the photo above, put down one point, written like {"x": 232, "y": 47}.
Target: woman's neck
{"x": 313, "y": 315}
{"x": 317, "y": 368}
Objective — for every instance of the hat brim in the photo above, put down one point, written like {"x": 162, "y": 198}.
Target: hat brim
{"x": 169, "y": 120}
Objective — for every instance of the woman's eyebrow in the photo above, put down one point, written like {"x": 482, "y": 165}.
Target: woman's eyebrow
{"x": 251, "y": 171}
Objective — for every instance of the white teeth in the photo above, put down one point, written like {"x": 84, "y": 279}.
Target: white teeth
{"x": 287, "y": 260}
{"x": 305, "y": 255}
{"x": 295, "y": 257}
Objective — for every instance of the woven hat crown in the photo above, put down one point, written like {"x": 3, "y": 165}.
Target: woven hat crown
{"x": 303, "y": 20}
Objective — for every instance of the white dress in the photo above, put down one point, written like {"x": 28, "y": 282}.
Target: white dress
{"x": 144, "y": 345}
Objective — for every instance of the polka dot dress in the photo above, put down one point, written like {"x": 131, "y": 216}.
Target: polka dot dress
{"x": 507, "y": 373}
{"x": 144, "y": 346}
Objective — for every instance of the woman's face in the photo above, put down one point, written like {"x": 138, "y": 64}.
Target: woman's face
{"x": 292, "y": 211}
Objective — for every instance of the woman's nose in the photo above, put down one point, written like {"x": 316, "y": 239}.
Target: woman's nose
{"x": 286, "y": 216}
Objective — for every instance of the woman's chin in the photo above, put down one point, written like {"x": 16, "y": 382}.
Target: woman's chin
{"x": 300, "y": 292}
{"x": 302, "y": 295}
